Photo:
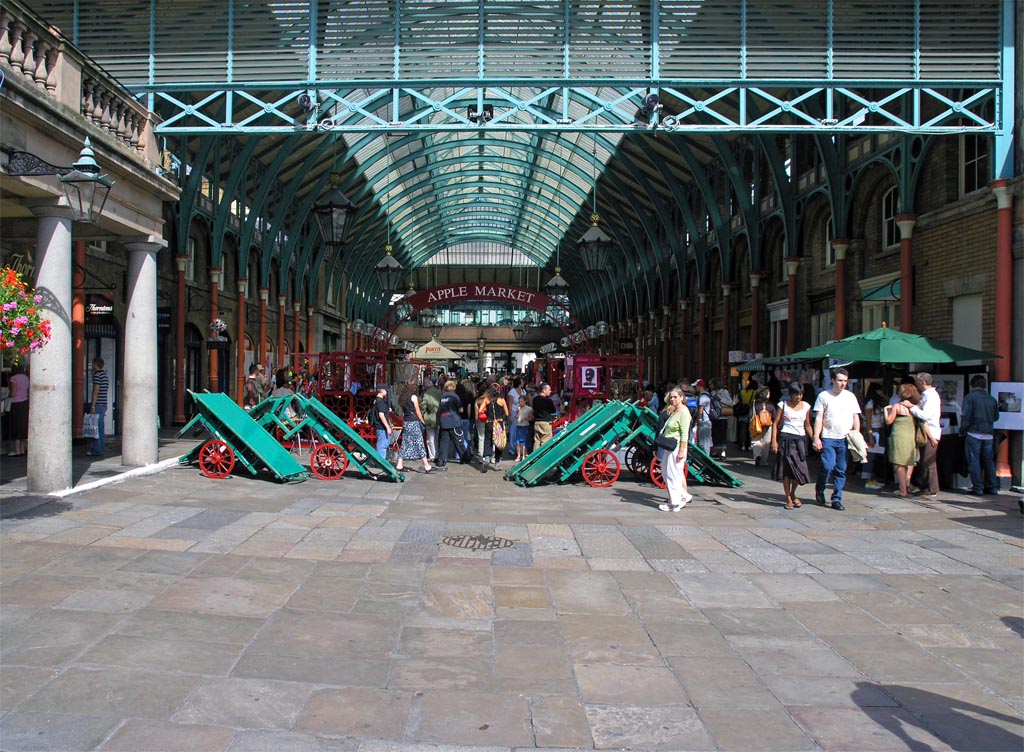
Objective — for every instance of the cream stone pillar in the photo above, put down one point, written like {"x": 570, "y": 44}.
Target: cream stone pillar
{"x": 139, "y": 439}
{"x": 49, "y": 417}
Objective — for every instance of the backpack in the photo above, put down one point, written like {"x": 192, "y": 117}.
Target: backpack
{"x": 692, "y": 404}
{"x": 715, "y": 409}
{"x": 764, "y": 417}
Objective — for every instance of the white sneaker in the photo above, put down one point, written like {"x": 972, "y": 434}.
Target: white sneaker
{"x": 671, "y": 507}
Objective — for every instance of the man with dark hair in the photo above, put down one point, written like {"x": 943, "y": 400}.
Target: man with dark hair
{"x": 544, "y": 415}
{"x": 837, "y": 412}
{"x": 253, "y": 393}
{"x": 980, "y": 412}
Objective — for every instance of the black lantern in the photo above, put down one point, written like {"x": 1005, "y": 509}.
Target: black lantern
{"x": 435, "y": 328}
{"x": 518, "y": 331}
{"x": 390, "y": 273}
{"x": 557, "y": 287}
{"x": 595, "y": 246}
{"x": 333, "y": 212}
{"x": 84, "y": 187}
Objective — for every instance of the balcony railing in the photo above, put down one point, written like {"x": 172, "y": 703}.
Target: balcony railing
{"x": 39, "y": 55}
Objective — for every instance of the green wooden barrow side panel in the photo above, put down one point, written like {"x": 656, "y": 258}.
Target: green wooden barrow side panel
{"x": 250, "y": 442}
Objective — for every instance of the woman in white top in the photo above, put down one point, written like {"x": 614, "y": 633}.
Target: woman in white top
{"x": 789, "y": 442}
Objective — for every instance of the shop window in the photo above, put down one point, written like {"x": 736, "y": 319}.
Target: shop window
{"x": 823, "y": 328}
{"x": 890, "y": 230}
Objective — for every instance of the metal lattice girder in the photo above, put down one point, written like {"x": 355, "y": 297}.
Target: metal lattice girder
{"x": 841, "y": 107}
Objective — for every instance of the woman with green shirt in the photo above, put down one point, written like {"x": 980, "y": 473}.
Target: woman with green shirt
{"x": 676, "y": 426}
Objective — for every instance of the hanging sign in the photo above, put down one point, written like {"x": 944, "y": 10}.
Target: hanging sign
{"x": 99, "y": 305}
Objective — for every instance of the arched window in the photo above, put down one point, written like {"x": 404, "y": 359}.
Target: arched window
{"x": 890, "y": 230}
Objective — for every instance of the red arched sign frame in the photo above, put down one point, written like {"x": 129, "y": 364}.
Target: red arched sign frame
{"x": 464, "y": 292}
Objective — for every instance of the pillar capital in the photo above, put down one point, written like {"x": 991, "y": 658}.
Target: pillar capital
{"x": 243, "y": 285}
{"x": 50, "y": 207}
{"x": 683, "y": 305}
{"x": 182, "y": 262}
{"x": 702, "y": 297}
{"x": 906, "y": 224}
{"x": 215, "y": 275}
{"x": 726, "y": 289}
{"x": 264, "y": 294}
{"x": 1004, "y": 196}
{"x": 840, "y": 246}
{"x": 310, "y": 311}
{"x": 281, "y": 300}
{"x": 297, "y": 307}
{"x": 151, "y": 243}
{"x": 792, "y": 264}
{"x": 755, "y": 279}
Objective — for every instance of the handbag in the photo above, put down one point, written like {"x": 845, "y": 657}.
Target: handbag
{"x": 665, "y": 442}
{"x": 920, "y": 433}
{"x": 499, "y": 437}
{"x": 91, "y": 426}
{"x": 755, "y": 427}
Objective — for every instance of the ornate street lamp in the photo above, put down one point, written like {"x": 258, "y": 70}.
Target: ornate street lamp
{"x": 333, "y": 213}
{"x": 389, "y": 272}
{"x": 518, "y": 331}
{"x": 85, "y": 189}
{"x": 595, "y": 246}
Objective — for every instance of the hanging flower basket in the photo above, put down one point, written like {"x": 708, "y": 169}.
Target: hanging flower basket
{"x": 22, "y": 326}
{"x": 218, "y": 327}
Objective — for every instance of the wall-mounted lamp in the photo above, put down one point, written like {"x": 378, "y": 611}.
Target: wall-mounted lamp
{"x": 86, "y": 190}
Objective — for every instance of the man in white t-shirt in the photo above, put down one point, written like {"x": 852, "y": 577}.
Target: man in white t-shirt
{"x": 837, "y": 412}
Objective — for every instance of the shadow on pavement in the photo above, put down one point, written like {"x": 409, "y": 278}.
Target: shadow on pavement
{"x": 960, "y": 724}
{"x": 28, "y": 507}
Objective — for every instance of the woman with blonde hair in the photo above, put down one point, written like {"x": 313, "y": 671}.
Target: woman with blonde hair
{"x": 675, "y": 427}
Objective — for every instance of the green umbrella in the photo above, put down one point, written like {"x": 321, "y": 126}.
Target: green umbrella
{"x": 887, "y": 345}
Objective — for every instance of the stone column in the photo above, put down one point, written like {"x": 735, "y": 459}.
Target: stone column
{"x": 755, "y": 312}
{"x": 906, "y": 224}
{"x": 792, "y": 264}
{"x": 261, "y": 346}
{"x": 281, "y": 302}
{"x": 840, "y": 246}
{"x": 77, "y": 337}
{"x": 702, "y": 327}
{"x": 726, "y": 315}
{"x": 684, "y": 339}
{"x": 179, "y": 342}
{"x": 309, "y": 330}
{"x": 139, "y": 438}
{"x": 214, "y": 355}
{"x": 49, "y": 430}
{"x": 1001, "y": 369}
{"x": 240, "y": 374}
{"x": 297, "y": 311}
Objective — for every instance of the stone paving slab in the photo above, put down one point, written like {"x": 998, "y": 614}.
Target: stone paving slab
{"x": 177, "y": 612}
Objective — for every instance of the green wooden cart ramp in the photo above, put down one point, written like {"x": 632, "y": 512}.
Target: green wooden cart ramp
{"x": 340, "y": 445}
{"x": 236, "y": 437}
{"x": 598, "y": 428}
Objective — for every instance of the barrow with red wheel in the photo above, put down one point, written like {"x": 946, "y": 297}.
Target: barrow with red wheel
{"x": 335, "y": 446}
{"x": 588, "y": 446}
{"x": 236, "y": 439}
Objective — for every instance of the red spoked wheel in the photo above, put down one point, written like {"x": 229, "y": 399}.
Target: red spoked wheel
{"x": 216, "y": 459}
{"x": 656, "y": 475}
{"x": 601, "y": 468}
{"x": 329, "y": 462}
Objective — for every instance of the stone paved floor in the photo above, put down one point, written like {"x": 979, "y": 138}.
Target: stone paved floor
{"x": 459, "y": 611}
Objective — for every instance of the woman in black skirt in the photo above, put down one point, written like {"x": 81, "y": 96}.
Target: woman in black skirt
{"x": 789, "y": 442}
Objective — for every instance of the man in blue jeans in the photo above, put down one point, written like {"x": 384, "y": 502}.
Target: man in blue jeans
{"x": 380, "y": 422}
{"x": 837, "y": 412}
{"x": 980, "y": 411}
